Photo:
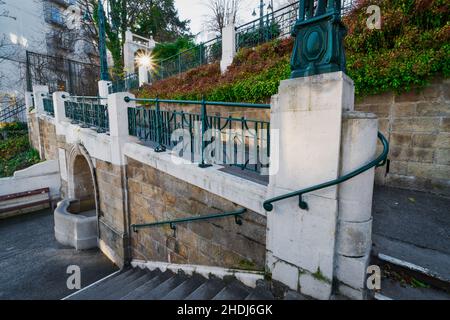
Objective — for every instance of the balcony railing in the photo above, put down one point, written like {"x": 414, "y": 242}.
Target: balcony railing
{"x": 130, "y": 82}
{"x": 48, "y": 106}
{"x": 88, "y": 112}
{"x": 201, "y": 54}
{"x": 205, "y": 138}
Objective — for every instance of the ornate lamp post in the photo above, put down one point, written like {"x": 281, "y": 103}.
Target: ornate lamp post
{"x": 261, "y": 17}
{"x": 104, "y": 75}
{"x": 319, "y": 34}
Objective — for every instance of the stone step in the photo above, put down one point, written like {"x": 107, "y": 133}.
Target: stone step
{"x": 90, "y": 293}
{"x": 185, "y": 288}
{"x": 235, "y": 290}
{"x": 164, "y": 288}
{"x": 149, "y": 285}
{"x": 431, "y": 263}
{"x": 143, "y": 284}
{"x": 260, "y": 293}
{"x": 127, "y": 288}
{"x": 207, "y": 290}
{"x": 392, "y": 289}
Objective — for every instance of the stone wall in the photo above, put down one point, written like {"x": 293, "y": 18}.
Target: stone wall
{"x": 112, "y": 211}
{"x": 33, "y": 130}
{"x": 156, "y": 196}
{"x": 417, "y": 125}
{"x": 47, "y": 132}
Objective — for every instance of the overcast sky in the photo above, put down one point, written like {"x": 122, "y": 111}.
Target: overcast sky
{"x": 197, "y": 11}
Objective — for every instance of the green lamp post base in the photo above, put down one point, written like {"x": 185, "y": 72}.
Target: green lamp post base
{"x": 318, "y": 45}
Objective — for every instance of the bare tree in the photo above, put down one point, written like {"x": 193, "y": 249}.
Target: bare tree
{"x": 7, "y": 49}
{"x": 221, "y": 13}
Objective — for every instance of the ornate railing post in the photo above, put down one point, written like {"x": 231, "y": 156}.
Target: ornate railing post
{"x": 204, "y": 128}
{"x": 160, "y": 147}
{"x": 319, "y": 34}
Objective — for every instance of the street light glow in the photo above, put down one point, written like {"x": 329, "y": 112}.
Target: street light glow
{"x": 145, "y": 59}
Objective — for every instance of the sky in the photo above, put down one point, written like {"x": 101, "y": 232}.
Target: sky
{"x": 197, "y": 12}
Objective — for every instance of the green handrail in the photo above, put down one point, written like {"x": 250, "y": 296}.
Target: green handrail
{"x": 378, "y": 162}
{"x": 201, "y": 102}
{"x": 174, "y": 222}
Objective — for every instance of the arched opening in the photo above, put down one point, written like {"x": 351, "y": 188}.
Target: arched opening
{"x": 83, "y": 185}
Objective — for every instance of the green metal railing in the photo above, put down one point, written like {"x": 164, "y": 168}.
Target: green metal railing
{"x": 88, "y": 112}
{"x": 172, "y": 223}
{"x": 9, "y": 113}
{"x": 128, "y": 83}
{"x": 271, "y": 26}
{"x": 201, "y": 54}
{"x": 250, "y": 138}
{"x": 48, "y": 106}
{"x": 378, "y": 162}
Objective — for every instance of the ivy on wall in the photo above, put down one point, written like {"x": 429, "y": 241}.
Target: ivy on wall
{"x": 412, "y": 46}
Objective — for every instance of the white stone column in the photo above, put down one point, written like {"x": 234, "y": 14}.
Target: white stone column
{"x": 28, "y": 100}
{"x": 118, "y": 124}
{"x": 143, "y": 75}
{"x": 128, "y": 52}
{"x": 28, "y": 103}
{"x": 39, "y": 93}
{"x": 301, "y": 243}
{"x": 354, "y": 233}
{"x": 103, "y": 88}
{"x": 228, "y": 46}
{"x": 59, "y": 99}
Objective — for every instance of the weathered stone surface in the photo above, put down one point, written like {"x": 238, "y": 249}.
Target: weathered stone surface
{"x": 418, "y": 129}
{"x": 156, "y": 196}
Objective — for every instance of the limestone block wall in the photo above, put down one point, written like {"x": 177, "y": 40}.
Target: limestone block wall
{"x": 155, "y": 195}
{"x": 112, "y": 208}
{"x": 33, "y": 130}
{"x": 417, "y": 125}
{"x": 47, "y": 133}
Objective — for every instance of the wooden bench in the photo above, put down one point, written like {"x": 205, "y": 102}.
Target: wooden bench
{"x": 22, "y": 202}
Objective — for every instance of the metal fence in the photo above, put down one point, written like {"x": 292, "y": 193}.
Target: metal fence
{"x": 271, "y": 26}
{"x": 201, "y": 54}
{"x": 61, "y": 74}
{"x": 205, "y": 138}
{"x": 88, "y": 112}
{"x": 130, "y": 82}
{"x": 48, "y": 106}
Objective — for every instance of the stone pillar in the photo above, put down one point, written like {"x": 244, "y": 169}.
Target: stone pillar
{"x": 301, "y": 243}
{"x": 28, "y": 100}
{"x": 39, "y": 92}
{"x": 118, "y": 124}
{"x": 60, "y": 112}
{"x": 128, "y": 52}
{"x": 103, "y": 88}
{"x": 143, "y": 75}
{"x": 228, "y": 46}
{"x": 354, "y": 241}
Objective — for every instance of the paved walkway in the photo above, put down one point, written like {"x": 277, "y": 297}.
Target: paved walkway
{"x": 33, "y": 264}
{"x": 414, "y": 227}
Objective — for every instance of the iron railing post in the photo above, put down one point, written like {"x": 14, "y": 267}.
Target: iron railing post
{"x": 204, "y": 128}
{"x": 160, "y": 147}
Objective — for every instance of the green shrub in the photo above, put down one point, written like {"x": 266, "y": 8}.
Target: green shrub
{"x": 16, "y": 152}
{"x": 412, "y": 47}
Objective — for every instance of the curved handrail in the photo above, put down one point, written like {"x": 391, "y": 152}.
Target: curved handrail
{"x": 378, "y": 162}
{"x": 172, "y": 223}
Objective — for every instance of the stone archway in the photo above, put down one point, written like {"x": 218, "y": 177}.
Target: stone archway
{"x": 82, "y": 180}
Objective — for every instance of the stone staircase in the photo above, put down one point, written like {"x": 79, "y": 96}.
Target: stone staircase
{"x": 143, "y": 284}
